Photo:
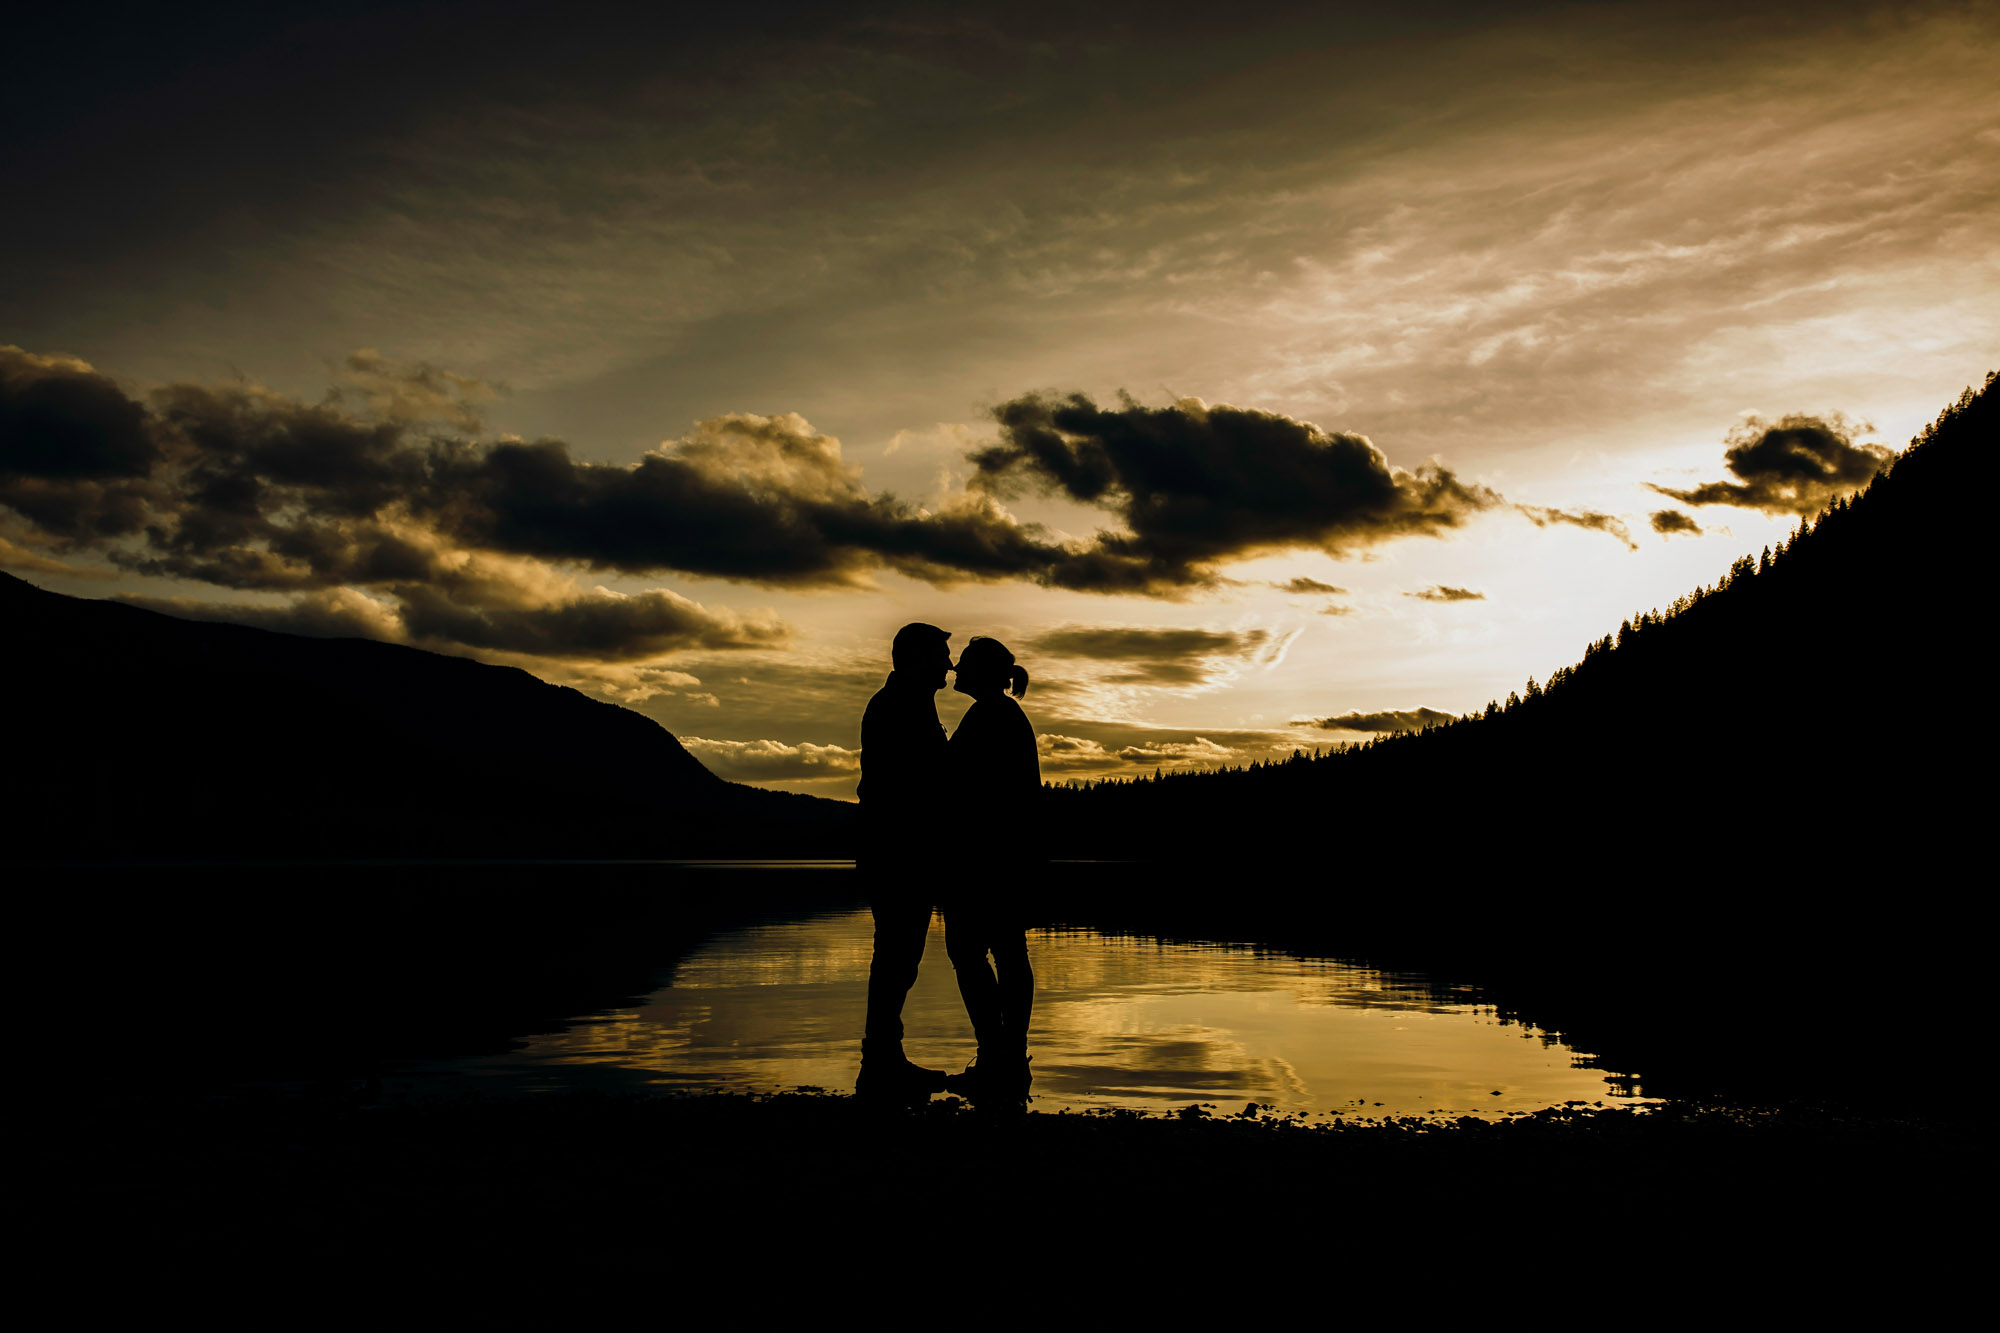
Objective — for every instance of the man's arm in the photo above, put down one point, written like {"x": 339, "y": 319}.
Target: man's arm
{"x": 902, "y": 754}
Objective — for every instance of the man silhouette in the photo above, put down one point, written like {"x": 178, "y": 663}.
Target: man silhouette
{"x": 902, "y": 776}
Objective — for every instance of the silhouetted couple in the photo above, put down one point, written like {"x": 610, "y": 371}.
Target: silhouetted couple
{"x": 949, "y": 823}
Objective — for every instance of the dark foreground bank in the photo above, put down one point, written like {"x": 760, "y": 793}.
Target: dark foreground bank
{"x": 304, "y": 1192}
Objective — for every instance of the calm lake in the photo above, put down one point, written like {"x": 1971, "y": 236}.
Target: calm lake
{"x": 1119, "y": 1022}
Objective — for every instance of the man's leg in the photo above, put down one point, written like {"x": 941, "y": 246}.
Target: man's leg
{"x": 902, "y": 921}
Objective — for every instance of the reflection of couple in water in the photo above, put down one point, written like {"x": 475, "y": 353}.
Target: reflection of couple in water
{"x": 949, "y": 823}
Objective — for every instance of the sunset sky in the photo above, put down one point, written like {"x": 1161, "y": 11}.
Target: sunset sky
{"x": 1262, "y": 375}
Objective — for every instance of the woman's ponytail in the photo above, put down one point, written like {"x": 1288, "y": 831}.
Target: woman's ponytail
{"x": 988, "y": 662}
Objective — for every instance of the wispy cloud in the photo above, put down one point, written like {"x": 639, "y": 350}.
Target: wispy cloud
{"x": 1542, "y": 516}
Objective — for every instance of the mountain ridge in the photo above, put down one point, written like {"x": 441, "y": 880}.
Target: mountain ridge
{"x": 249, "y": 741}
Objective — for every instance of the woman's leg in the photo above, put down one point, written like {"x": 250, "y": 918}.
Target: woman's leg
{"x": 1014, "y": 986}
{"x": 965, "y": 943}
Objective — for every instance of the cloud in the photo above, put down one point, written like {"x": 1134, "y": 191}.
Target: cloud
{"x": 1072, "y": 754}
{"x": 751, "y": 498}
{"x": 797, "y": 694}
{"x": 1792, "y": 466}
{"x": 1305, "y": 585}
{"x": 18, "y": 557}
{"x": 1200, "y": 750}
{"x": 412, "y": 392}
{"x": 1391, "y": 720}
{"x": 601, "y": 625}
{"x": 364, "y": 524}
{"x": 76, "y": 454}
{"x": 1666, "y": 522}
{"x": 1196, "y": 485}
{"x": 598, "y": 641}
{"x": 628, "y": 683}
{"x": 1164, "y": 657}
{"x": 1166, "y": 675}
{"x": 1085, "y": 745}
{"x": 1445, "y": 593}
{"x": 249, "y": 489}
{"x": 1131, "y": 642}
{"x": 766, "y": 760}
{"x": 333, "y": 613}
{"x": 1336, "y": 609}
{"x": 1541, "y": 516}
{"x": 64, "y": 420}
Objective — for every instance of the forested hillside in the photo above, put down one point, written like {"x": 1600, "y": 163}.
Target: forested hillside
{"x": 1812, "y": 706}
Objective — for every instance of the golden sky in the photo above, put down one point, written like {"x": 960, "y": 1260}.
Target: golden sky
{"x": 1241, "y": 370}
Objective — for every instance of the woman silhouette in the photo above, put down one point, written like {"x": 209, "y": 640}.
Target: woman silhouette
{"x": 995, "y": 779}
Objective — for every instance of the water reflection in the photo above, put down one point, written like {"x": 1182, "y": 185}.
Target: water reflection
{"x": 1118, "y": 1023}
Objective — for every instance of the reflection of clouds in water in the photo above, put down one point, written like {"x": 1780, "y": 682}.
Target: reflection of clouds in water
{"x": 1291, "y": 1079}
{"x": 627, "y": 1036}
{"x": 1086, "y": 960}
{"x": 1118, "y": 1022}
{"x": 1181, "y": 1062}
{"x": 1093, "y": 1084}
{"x": 820, "y": 951}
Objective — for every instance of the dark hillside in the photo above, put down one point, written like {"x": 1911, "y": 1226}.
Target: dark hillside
{"x": 136, "y": 734}
{"x": 1817, "y": 702}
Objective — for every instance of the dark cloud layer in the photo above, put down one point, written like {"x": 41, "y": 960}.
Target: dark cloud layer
{"x": 759, "y": 499}
{"x": 1792, "y": 466}
{"x": 372, "y": 514}
{"x": 1169, "y": 657}
{"x": 1196, "y": 485}
{"x": 61, "y": 420}
{"x": 251, "y": 490}
{"x": 1124, "y": 643}
{"x": 1442, "y": 592}
{"x": 260, "y": 493}
{"x": 246, "y": 489}
{"x": 601, "y": 627}
{"x": 1388, "y": 721}
{"x": 1667, "y": 522}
